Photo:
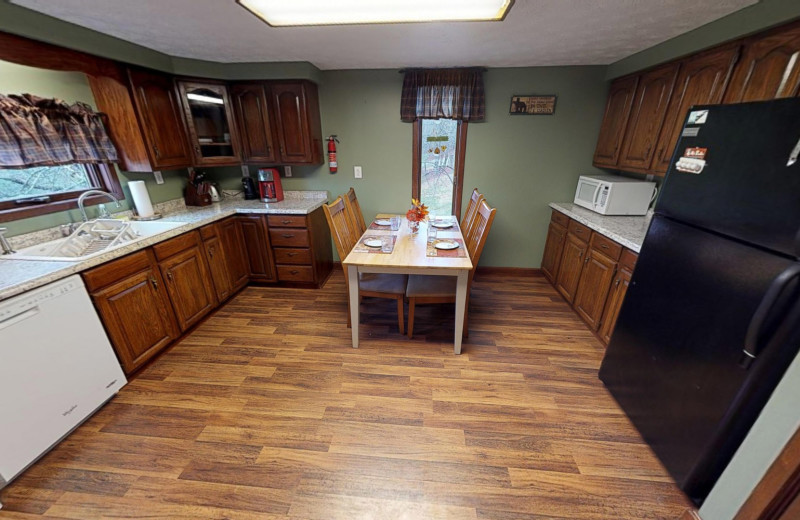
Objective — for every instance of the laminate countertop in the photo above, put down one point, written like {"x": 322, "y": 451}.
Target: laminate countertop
{"x": 18, "y": 276}
{"x": 628, "y": 231}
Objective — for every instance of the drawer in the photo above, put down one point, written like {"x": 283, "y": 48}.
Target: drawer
{"x": 606, "y": 246}
{"x": 286, "y": 221}
{"x": 288, "y": 237}
{"x": 285, "y": 255}
{"x": 628, "y": 260}
{"x": 560, "y": 218}
{"x": 209, "y": 231}
{"x": 116, "y": 270}
{"x": 579, "y": 230}
{"x": 175, "y": 245}
{"x": 295, "y": 273}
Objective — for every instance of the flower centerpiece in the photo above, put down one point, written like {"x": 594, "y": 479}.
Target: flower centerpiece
{"x": 415, "y": 215}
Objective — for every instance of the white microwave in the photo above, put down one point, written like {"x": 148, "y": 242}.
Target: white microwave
{"x": 614, "y": 195}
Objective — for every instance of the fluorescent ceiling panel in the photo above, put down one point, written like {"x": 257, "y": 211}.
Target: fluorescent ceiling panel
{"x": 280, "y": 13}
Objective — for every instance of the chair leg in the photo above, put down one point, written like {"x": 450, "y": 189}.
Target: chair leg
{"x": 400, "y": 316}
{"x": 411, "y": 305}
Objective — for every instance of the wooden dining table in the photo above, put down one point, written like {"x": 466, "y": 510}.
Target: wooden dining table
{"x": 409, "y": 256}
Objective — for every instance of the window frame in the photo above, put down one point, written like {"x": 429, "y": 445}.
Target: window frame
{"x": 103, "y": 178}
{"x": 458, "y": 170}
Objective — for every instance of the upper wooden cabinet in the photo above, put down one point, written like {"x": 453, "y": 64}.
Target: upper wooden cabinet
{"x": 212, "y": 132}
{"x": 615, "y": 120}
{"x": 297, "y": 120}
{"x": 160, "y": 118}
{"x": 701, "y": 81}
{"x": 647, "y": 116}
{"x": 254, "y": 117}
{"x": 769, "y": 68}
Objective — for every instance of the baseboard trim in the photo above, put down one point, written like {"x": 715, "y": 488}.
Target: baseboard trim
{"x": 497, "y": 271}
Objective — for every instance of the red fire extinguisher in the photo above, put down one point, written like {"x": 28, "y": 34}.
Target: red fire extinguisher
{"x": 332, "y": 164}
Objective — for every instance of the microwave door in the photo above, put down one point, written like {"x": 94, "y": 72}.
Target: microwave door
{"x": 586, "y": 192}
{"x": 595, "y": 204}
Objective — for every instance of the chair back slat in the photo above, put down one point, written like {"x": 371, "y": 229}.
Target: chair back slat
{"x": 484, "y": 216}
{"x": 469, "y": 215}
{"x": 354, "y": 208}
{"x": 342, "y": 228}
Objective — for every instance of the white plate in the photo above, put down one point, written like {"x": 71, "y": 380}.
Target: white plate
{"x": 446, "y": 244}
{"x": 373, "y": 242}
{"x": 383, "y": 222}
{"x": 442, "y": 224}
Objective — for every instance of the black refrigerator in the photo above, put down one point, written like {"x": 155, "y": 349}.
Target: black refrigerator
{"x": 711, "y": 319}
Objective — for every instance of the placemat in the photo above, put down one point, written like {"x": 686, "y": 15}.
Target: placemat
{"x": 376, "y": 227}
{"x": 454, "y": 227}
{"x": 459, "y": 252}
{"x": 361, "y": 248}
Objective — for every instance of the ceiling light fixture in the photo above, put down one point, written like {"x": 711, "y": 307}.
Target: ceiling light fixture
{"x": 205, "y": 99}
{"x": 280, "y": 13}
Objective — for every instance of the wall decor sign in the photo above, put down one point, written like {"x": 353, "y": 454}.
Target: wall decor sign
{"x": 532, "y": 105}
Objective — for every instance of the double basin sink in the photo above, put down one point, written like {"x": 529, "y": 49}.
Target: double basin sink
{"x": 91, "y": 239}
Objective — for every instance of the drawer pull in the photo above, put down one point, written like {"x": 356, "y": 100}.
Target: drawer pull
{"x": 287, "y": 236}
{"x": 286, "y": 221}
{"x": 604, "y": 246}
{"x": 290, "y": 254}
{"x": 294, "y": 271}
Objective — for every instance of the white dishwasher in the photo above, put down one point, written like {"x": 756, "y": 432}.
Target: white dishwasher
{"x": 56, "y": 368}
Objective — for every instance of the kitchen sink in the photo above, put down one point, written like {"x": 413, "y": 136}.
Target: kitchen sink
{"x": 91, "y": 239}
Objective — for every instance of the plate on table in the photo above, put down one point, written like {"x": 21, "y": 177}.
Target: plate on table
{"x": 446, "y": 244}
{"x": 373, "y": 242}
{"x": 383, "y": 222}
{"x": 442, "y": 224}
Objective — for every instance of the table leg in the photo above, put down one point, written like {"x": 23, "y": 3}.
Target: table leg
{"x": 352, "y": 275}
{"x": 461, "y": 307}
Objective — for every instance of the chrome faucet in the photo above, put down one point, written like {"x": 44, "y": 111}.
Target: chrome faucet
{"x": 4, "y": 244}
{"x": 103, "y": 211}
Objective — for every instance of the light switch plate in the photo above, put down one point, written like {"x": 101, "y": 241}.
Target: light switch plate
{"x": 287, "y": 171}
{"x": 245, "y": 171}
{"x": 357, "y": 172}
{"x": 159, "y": 177}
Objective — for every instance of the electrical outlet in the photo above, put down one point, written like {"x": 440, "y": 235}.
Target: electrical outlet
{"x": 357, "y": 172}
{"x": 287, "y": 171}
{"x": 159, "y": 177}
{"x": 245, "y": 171}
{"x": 650, "y": 177}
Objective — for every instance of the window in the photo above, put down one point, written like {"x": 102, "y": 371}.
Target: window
{"x": 28, "y": 192}
{"x": 438, "y": 167}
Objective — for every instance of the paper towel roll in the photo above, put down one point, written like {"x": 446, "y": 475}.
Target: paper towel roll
{"x": 141, "y": 199}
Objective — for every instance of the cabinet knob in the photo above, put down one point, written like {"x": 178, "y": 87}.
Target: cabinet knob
{"x": 155, "y": 150}
{"x": 197, "y": 148}
{"x": 616, "y": 284}
{"x": 211, "y": 252}
{"x": 587, "y": 260}
{"x": 169, "y": 275}
{"x": 154, "y": 282}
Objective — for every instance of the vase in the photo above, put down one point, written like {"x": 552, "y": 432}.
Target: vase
{"x": 413, "y": 226}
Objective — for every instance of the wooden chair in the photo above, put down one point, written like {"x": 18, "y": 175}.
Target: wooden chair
{"x": 442, "y": 289}
{"x": 376, "y": 285}
{"x": 469, "y": 214}
{"x": 354, "y": 209}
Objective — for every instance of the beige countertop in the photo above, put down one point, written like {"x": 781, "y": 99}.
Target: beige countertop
{"x": 18, "y": 276}
{"x": 628, "y": 231}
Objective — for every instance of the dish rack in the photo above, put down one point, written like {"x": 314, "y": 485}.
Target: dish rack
{"x": 91, "y": 237}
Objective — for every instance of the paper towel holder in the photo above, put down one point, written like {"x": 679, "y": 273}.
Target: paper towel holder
{"x": 154, "y": 216}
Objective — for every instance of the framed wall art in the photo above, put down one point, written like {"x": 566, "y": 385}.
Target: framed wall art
{"x": 532, "y": 105}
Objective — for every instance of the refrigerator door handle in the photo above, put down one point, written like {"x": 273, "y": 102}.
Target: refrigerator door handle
{"x": 751, "y": 343}
{"x": 794, "y": 155}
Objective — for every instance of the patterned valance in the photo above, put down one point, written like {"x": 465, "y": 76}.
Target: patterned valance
{"x": 443, "y": 93}
{"x": 36, "y": 131}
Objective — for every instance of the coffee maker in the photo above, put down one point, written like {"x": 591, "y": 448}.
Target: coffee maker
{"x": 269, "y": 185}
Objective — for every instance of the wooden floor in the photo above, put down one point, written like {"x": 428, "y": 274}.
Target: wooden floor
{"x": 265, "y": 411}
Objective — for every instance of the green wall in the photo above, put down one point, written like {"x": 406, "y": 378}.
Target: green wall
{"x": 71, "y": 87}
{"x": 759, "y": 16}
{"x": 521, "y": 163}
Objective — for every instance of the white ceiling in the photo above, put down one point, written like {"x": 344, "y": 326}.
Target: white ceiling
{"x": 535, "y": 32}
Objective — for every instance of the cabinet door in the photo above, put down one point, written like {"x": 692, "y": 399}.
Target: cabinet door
{"x": 613, "y": 304}
{"x": 138, "y": 317}
{"x": 615, "y": 120}
{"x": 769, "y": 68}
{"x": 218, "y": 265}
{"x": 292, "y": 126}
{"x": 569, "y": 272}
{"x": 253, "y": 115}
{"x": 261, "y": 265}
{"x": 161, "y": 119}
{"x": 212, "y": 131}
{"x": 189, "y": 286}
{"x": 701, "y": 81}
{"x": 595, "y": 282}
{"x": 235, "y": 254}
{"x": 647, "y": 117}
{"x": 553, "y": 249}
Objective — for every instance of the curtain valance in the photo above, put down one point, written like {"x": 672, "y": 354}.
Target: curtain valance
{"x": 443, "y": 93}
{"x": 36, "y": 131}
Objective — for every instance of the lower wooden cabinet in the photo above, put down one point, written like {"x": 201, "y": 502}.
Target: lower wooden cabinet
{"x": 590, "y": 271}
{"x": 301, "y": 246}
{"x": 258, "y": 251}
{"x": 189, "y": 285}
{"x": 230, "y": 234}
{"x": 132, "y": 301}
{"x": 217, "y": 261}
